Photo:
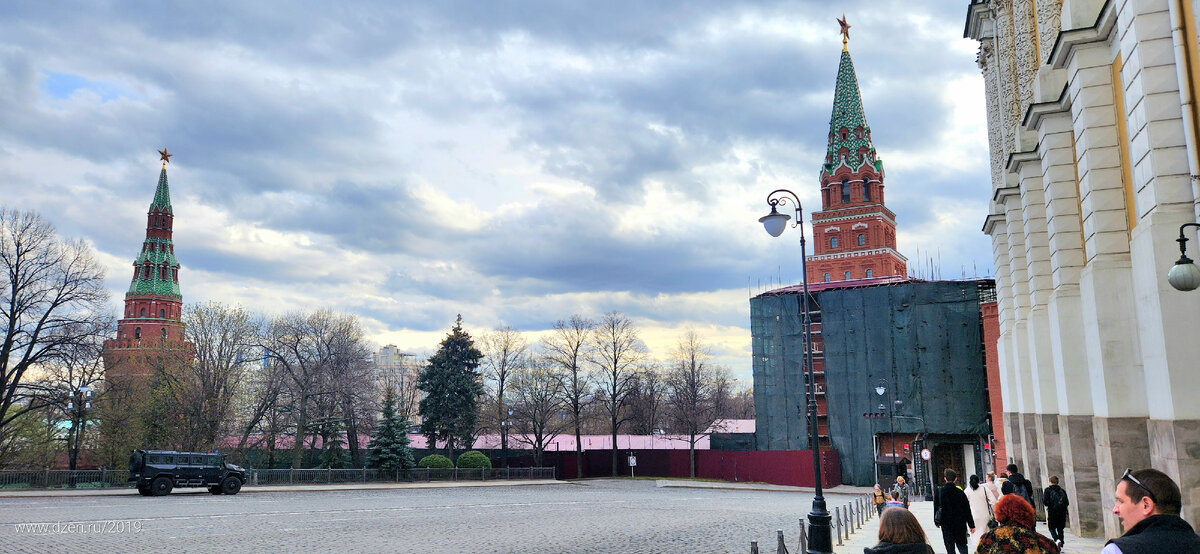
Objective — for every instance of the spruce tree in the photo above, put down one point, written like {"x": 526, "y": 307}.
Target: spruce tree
{"x": 333, "y": 454}
{"x": 452, "y": 389}
{"x": 389, "y": 444}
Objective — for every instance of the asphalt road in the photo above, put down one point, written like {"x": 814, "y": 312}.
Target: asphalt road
{"x": 587, "y": 516}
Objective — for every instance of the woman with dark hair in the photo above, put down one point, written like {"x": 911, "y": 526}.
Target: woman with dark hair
{"x": 980, "y": 498}
{"x": 899, "y": 533}
{"x": 1015, "y": 533}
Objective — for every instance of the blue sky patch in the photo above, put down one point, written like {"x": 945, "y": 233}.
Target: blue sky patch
{"x": 60, "y": 86}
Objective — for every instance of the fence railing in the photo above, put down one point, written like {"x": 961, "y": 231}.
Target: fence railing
{"x": 118, "y": 478}
{"x": 843, "y": 521}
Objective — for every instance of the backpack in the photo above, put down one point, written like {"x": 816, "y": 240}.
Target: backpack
{"x": 1056, "y": 498}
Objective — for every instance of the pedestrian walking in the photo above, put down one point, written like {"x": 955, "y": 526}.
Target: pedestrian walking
{"x": 894, "y": 502}
{"x": 880, "y": 499}
{"x": 903, "y": 488}
{"x": 1021, "y": 485}
{"x": 981, "y": 500}
{"x": 1054, "y": 498}
{"x": 952, "y": 514}
{"x": 1015, "y": 532}
{"x": 899, "y": 533}
{"x": 1148, "y": 503}
{"x": 992, "y": 484}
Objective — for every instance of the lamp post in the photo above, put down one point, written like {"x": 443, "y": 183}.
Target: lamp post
{"x": 819, "y": 538}
{"x": 1184, "y": 275}
{"x": 882, "y": 389}
{"x": 505, "y": 429}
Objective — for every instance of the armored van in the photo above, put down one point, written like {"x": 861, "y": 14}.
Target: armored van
{"x": 156, "y": 472}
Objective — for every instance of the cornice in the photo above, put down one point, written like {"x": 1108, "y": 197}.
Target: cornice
{"x": 1004, "y": 192}
{"x": 1035, "y": 112}
{"x": 857, "y": 254}
{"x": 991, "y": 221}
{"x": 979, "y": 21}
{"x": 1017, "y": 159}
{"x": 1067, "y": 41}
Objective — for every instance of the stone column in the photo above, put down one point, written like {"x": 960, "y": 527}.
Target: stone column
{"x": 1168, "y": 319}
{"x": 1106, "y": 282}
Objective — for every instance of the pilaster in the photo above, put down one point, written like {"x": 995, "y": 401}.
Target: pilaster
{"x": 1121, "y": 442}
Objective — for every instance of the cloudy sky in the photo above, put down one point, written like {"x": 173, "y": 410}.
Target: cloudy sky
{"x": 515, "y": 162}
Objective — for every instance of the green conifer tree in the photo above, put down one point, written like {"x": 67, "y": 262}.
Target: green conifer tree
{"x": 389, "y": 444}
{"x": 452, "y": 389}
{"x": 333, "y": 453}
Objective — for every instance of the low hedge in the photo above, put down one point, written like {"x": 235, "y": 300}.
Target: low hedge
{"x": 474, "y": 459}
{"x": 436, "y": 461}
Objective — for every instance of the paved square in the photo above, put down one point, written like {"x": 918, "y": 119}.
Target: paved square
{"x": 588, "y": 516}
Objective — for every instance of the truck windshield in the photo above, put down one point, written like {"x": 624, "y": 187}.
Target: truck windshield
{"x": 135, "y": 461}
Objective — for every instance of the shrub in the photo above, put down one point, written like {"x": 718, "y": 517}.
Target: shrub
{"x": 437, "y": 461}
{"x": 473, "y": 459}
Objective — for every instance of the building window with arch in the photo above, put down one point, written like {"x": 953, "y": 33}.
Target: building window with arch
{"x": 143, "y": 312}
{"x": 862, "y": 239}
{"x": 866, "y": 190}
{"x": 847, "y": 274}
{"x": 845, "y": 191}
{"x": 869, "y": 273}
{"x": 826, "y": 277}
{"x": 833, "y": 243}
{"x": 162, "y": 314}
{"x": 164, "y": 333}
{"x": 137, "y": 333}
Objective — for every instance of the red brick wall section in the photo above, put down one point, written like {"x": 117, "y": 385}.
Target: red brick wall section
{"x": 779, "y": 467}
{"x": 991, "y": 334}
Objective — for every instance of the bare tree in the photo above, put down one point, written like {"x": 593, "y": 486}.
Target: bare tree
{"x": 615, "y": 355}
{"x": 76, "y": 375}
{"x": 647, "y": 393}
{"x": 52, "y": 293}
{"x": 538, "y": 398}
{"x": 568, "y": 347}
{"x": 224, "y": 340}
{"x": 694, "y": 390}
{"x": 504, "y": 351}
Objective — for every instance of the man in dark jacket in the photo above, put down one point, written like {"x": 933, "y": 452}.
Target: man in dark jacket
{"x": 1054, "y": 498}
{"x": 1148, "y": 503}
{"x": 1021, "y": 486}
{"x": 952, "y": 513}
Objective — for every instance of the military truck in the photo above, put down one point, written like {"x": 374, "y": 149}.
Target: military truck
{"x": 156, "y": 472}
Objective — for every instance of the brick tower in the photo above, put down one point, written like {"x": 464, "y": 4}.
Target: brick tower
{"x": 152, "y": 321}
{"x": 854, "y": 234}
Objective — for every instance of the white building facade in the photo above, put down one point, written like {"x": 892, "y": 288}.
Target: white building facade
{"x": 1093, "y": 133}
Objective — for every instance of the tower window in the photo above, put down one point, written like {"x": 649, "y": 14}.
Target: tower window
{"x": 137, "y": 333}
{"x": 146, "y": 272}
{"x": 868, "y": 273}
{"x": 162, "y": 314}
{"x": 847, "y": 274}
{"x": 866, "y": 190}
{"x": 845, "y": 191}
{"x": 862, "y": 239}
{"x": 143, "y": 312}
{"x": 833, "y": 243}
{"x": 826, "y": 277}
{"x": 164, "y": 333}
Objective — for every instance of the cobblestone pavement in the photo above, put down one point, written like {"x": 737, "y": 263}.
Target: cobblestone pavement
{"x": 588, "y": 516}
{"x": 868, "y": 535}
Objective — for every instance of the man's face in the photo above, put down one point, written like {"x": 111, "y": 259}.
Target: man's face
{"x": 1128, "y": 511}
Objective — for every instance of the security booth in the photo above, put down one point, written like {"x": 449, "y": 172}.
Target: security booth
{"x": 888, "y": 467}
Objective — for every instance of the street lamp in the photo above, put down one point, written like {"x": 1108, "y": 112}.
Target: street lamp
{"x": 505, "y": 429}
{"x": 820, "y": 540}
{"x": 1184, "y": 275}
{"x": 881, "y": 389}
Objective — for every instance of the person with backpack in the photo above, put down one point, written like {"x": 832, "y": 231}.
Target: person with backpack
{"x": 1019, "y": 486}
{"x": 1054, "y": 498}
{"x": 879, "y": 499}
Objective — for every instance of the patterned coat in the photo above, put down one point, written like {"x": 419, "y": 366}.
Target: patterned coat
{"x": 1015, "y": 539}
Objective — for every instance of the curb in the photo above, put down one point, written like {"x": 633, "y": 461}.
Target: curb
{"x": 52, "y": 493}
{"x": 763, "y": 487}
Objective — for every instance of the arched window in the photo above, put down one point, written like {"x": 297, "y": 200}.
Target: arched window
{"x": 143, "y": 312}
{"x": 845, "y": 191}
{"x": 866, "y": 190}
{"x": 164, "y": 333}
{"x": 146, "y": 272}
{"x": 833, "y": 242}
{"x": 862, "y": 239}
{"x": 826, "y": 277}
{"x": 162, "y": 314}
{"x": 868, "y": 273}
{"x": 847, "y": 274}
{"x": 137, "y": 333}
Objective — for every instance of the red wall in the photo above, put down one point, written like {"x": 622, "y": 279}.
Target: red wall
{"x": 779, "y": 467}
{"x": 991, "y": 334}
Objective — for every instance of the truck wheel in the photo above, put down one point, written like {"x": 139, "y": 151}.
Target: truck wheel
{"x": 161, "y": 486}
{"x": 215, "y": 489}
{"x": 144, "y": 491}
{"x": 231, "y": 485}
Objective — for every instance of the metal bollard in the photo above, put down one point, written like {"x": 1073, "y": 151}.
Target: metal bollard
{"x": 803, "y": 537}
{"x": 753, "y": 547}
{"x": 838, "y": 524}
{"x": 781, "y": 548}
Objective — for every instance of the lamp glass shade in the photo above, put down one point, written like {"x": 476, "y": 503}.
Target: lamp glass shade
{"x": 774, "y": 222}
{"x": 880, "y": 390}
{"x": 1184, "y": 276}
